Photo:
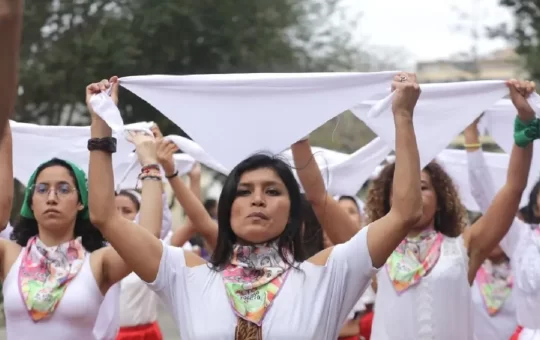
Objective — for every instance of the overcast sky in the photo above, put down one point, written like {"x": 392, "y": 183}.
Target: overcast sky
{"x": 426, "y": 28}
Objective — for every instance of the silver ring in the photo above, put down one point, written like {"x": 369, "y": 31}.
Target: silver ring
{"x": 402, "y": 79}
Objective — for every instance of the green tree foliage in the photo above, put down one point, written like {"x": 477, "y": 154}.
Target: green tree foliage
{"x": 69, "y": 43}
{"x": 524, "y": 33}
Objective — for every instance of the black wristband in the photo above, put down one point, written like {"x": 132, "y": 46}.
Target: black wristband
{"x": 106, "y": 144}
{"x": 173, "y": 175}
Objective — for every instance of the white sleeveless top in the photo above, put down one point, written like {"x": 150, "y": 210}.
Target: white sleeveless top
{"x": 500, "y": 326}
{"x": 312, "y": 304}
{"x": 74, "y": 317}
{"x": 524, "y": 255}
{"x": 438, "y": 307}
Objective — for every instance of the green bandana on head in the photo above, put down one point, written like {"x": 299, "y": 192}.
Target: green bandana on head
{"x": 82, "y": 188}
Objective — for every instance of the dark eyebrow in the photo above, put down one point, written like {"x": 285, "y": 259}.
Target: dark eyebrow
{"x": 49, "y": 183}
{"x": 264, "y": 183}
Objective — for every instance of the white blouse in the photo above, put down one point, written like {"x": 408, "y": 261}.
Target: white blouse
{"x": 312, "y": 304}
{"x": 438, "y": 307}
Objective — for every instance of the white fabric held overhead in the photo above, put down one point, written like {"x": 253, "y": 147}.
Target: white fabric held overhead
{"x": 348, "y": 177}
{"x": 233, "y": 116}
{"x": 342, "y": 173}
{"x": 456, "y": 165}
{"x": 442, "y": 112}
{"x": 127, "y": 173}
{"x": 196, "y": 151}
{"x": 34, "y": 144}
{"x": 500, "y": 122}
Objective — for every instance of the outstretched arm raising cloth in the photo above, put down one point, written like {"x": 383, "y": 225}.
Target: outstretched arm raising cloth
{"x": 11, "y": 12}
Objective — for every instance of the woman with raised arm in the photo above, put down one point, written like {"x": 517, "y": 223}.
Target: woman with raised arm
{"x": 57, "y": 261}
{"x": 11, "y": 14}
{"x": 425, "y": 293}
{"x": 392, "y": 228}
{"x": 258, "y": 261}
{"x": 492, "y": 293}
{"x": 138, "y": 304}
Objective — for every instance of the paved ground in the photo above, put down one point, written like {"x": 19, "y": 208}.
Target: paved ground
{"x": 167, "y": 326}
{"x": 165, "y": 321}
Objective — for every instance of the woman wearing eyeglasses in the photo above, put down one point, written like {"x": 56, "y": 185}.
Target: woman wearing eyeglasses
{"x": 57, "y": 269}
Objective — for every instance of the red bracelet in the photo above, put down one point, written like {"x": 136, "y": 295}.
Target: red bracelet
{"x": 149, "y": 167}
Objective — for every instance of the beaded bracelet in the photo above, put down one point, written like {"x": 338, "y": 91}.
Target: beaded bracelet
{"x": 152, "y": 177}
{"x": 150, "y": 167}
{"x": 151, "y": 172}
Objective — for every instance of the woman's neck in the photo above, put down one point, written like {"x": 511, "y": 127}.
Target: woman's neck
{"x": 53, "y": 238}
{"x": 417, "y": 231}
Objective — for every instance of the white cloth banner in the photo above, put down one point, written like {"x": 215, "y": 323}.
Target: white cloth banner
{"x": 127, "y": 174}
{"x": 456, "y": 165}
{"x": 233, "y": 116}
{"x": 34, "y": 144}
{"x": 442, "y": 112}
{"x": 343, "y": 174}
{"x": 500, "y": 125}
{"x": 194, "y": 150}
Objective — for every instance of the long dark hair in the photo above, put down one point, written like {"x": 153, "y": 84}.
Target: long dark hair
{"x": 291, "y": 238}
{"x": 529, "y": 212}
{"x": 131, "y": 197}
{"x": 26, "y": 228}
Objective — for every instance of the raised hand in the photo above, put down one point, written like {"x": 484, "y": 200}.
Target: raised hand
{"x": 99, "y": 87}
{"x": 406, "y": 93}
{"x": 519, "y": 92}
{"x": 195, "y": 171}
{"x": 156, "y": 131}
{"x": 145, "y": 146}
{"x": 165, "y": 153}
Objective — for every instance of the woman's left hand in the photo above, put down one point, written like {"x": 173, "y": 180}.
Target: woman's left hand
{"x": 165, "y": 155}
{"x": 145, "y": 146}
{"x": 519, "y": 92}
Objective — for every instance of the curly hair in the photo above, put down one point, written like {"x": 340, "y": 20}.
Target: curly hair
{"x": 450, "y": 218}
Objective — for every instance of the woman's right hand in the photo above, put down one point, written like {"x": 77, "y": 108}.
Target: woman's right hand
{"x": 99, "y": 87}
{"x": 156, "y": 131}
{"x": 406, "y": 93}
{"x": 165, "y": 155}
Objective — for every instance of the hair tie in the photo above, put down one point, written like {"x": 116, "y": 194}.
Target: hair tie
{"x": 526, "y": 133}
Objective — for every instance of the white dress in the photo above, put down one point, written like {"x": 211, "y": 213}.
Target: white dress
{"x": 312, "y": 304}
{"x": 438, "y": 307}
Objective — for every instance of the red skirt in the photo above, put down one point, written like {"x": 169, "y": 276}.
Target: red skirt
{"x": 149, "y": 331}
{"x": 365, "y": 325}
{"x": 517, "y": 333}
{"x": 354, "y": 337}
